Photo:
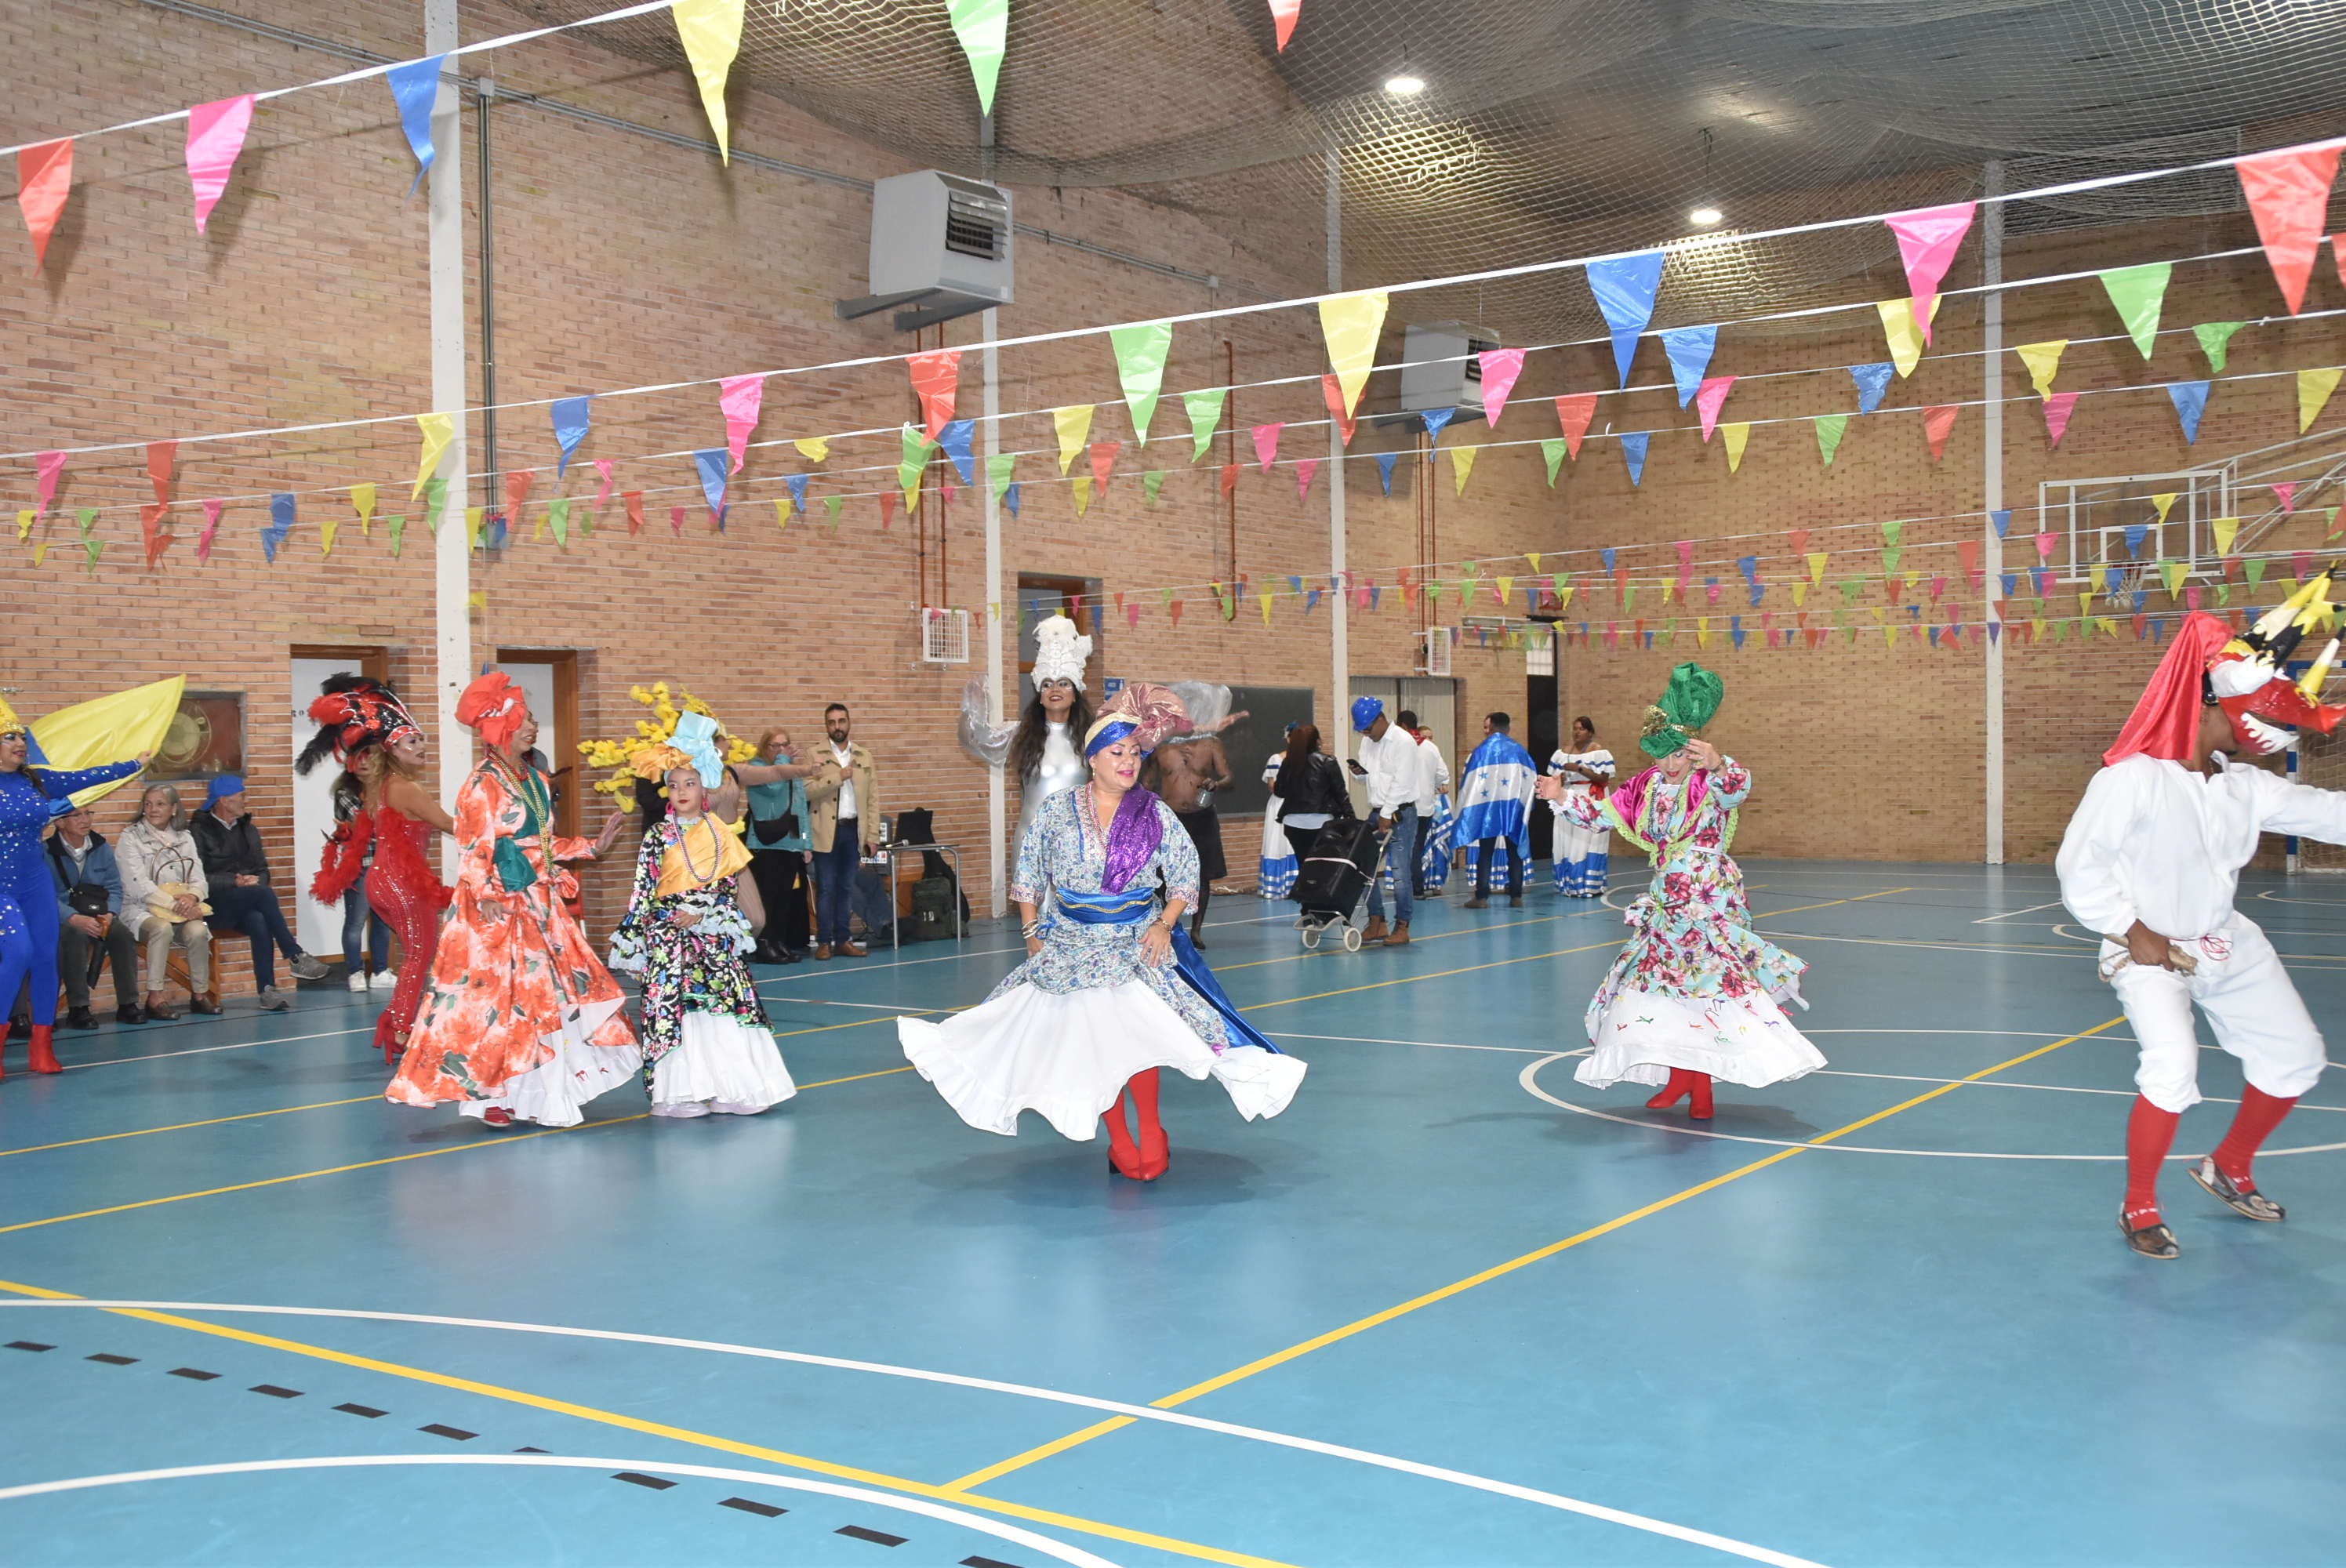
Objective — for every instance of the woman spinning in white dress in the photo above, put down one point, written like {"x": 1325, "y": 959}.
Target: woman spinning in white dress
{"x": 1112, "y": 989}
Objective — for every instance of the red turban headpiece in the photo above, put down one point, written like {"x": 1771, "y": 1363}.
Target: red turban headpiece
{"x": 494, "y": 707}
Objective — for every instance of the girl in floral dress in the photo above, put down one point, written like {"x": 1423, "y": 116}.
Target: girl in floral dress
{"x": 1696, "y": 994}
{"x": 704, "y": 1030}
{"x": 523, "y": 1023}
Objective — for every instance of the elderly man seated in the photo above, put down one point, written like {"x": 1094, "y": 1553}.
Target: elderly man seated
{"x": 236, "y": 870}
{"x": 90, "y": 927}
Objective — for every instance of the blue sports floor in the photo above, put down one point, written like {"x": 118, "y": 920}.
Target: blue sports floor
{"x": 1452, "y": 1308}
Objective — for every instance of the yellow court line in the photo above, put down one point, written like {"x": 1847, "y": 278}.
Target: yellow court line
{"x": 1853, "y": 898}
{"x": 671, "y": 1433}
{"x": 1376, "y": 1320}
{"x": 183, "y": 1127}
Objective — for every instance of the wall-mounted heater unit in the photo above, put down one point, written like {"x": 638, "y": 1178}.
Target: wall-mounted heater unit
{"x": 940, "y": 248}
{"x": 1442, "y": 368}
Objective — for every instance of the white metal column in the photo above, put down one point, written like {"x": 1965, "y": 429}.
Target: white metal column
{"x": 1339, "y": 653}
{"x": 1992, "y": 489}
{"x": 451, "y": 560}
{"x": 997, "y": 797}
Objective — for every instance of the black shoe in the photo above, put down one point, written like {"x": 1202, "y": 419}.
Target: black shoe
{"x": 204, "y": 1006}
{"x": 129, "y": 1012}
{"x": 2243, "y": 1200}
{"x": 2153, "y": 1241}
{"x": 784, "y": 955}
{"x": 80, "y": 1018}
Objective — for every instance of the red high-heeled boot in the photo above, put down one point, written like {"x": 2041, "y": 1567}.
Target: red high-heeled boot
{"x": 1156, "y": 1153}
{"x": 1698, "y": 1106}
{"x": 1682, "y": 1084}
{"x": 44, "y": 1055}
{"x": 1123, "y": 1153}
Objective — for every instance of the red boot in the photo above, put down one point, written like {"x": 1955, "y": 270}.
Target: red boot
{"x": 1123, "y": 1154}
{"x": 1156, "y": 1155}
{"x": 1699, "y": 1107}
{"x": 1681, "y": 1085}
{"x": 43, "y": 1058}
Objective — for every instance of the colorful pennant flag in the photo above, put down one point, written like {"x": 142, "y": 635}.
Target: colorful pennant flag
{"x": 1633, "y": 452}
{"x": 1689, "y": 350}
{"x": 1625, "y": 287}
{"x": 2288, "y": 195}
{"x": 1074, "y": 425}
{"x": 981, "y": 27}
{"x": 2225, "y": 530}
{"x": 711, "y": 31}
{"x": 216, "y": 134}
{"x": 1937, "y": 421}
{"x": 712, "y": 463}
{"x": 2190, "y": 401}
{"x": 438, "y": 430}
{"x": 1103, "y": 458}
{"x": 1551, "y": 449}
{"x": 953, "y": 440}
{"x": 1873, "y": 380}
{"x": 1501, "y": 367}
{"x": 1385, "y": 461}
{"x": 1735, "y": 437}
{"x": 2215, "y": 342}
{"x": 2313, "y": 390}
{"x": 280, "y": 523}
{"x": 1282, "y": 20}
{"x": 570, "y": 420}
{"x": 2138, "y": 292}
{"x": 2057, "y": 409}
{"x": 1928, "y": 238}
{"x": 1573, "y": 413}
{"x": 1304, "y": 469}
{"x": 813, "y": 448}
{"x": 912, "y": 462}
{"x": 1204, "y": 409}
{"x": 1708, "y": 399}
{"x": 2044, "y": 362}
{"x": 1350, "y": 323}
{"x": 741, "y": 399}
{"x": 1000, "y": 472}
{"x": 1152, "y": 480}
{"x": 44, "y": 179}
{"x": 1904, "y": 338}
{"x": 415, "y": 90}
{"x": 1462, "y": 463}
{"x": 1831, "y": 427}
{"x": 1332, "y": 395}
{"x": 1266, "y": 444}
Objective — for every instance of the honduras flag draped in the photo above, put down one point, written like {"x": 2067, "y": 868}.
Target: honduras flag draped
{"x": 1495, "y": 794}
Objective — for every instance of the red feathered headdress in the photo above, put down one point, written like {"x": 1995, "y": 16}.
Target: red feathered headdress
{"x": 494, "y": 707}
{"x": 2206, "y": 664}
{"x": 355, "y": 712}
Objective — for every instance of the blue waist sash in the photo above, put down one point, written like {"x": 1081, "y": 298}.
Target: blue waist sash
{"x": 1133, "y": 907}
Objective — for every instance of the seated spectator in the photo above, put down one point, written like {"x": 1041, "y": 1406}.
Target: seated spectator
{"x": 162, "y": 898}
{"x": 90, "y": 927}
{"x": 236, "y": 870}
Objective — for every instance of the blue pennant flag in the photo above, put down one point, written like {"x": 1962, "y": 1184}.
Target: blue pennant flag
{"x": 2190, "y": 400}
{"x": 2158, "y": 627}
{"x": 1735, "y": 629}
{"x": 1311, "y": 601}
{"x": 712, "y": 462}
{"x": 495, "y": 532}
{"x": 954, "y": 440}
{"x": 1689, "y": 349}
{"x": 798, "y": 484}
{"x": 280, "y": 523}
{"x": 1385, "y": 461}
{"x": 1995, "y": 631}
{"x": 1749, "y": 567}
{"x": 2112, "y": 580}
{"x": 1010, "y": 497}
{"x": 570, "y": 429}
{"x": 2011, "y": 584}
{"x": 1632, "y": 451}
{"x": 2135, "y": 534}
{"x": 414, "y": 85}
{"x": 1625, "y": 287}
{"x": 1871, "y": 381}
{"x": 1435, "y": 418}
{"x": 2140, "y": 597}
{"x": 1606, "y": 556}
{"x": 2003, "y": 521}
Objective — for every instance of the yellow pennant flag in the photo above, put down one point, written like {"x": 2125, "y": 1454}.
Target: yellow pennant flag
{"x": 40, "y": 552}
{"x": 439, "y": 430}
{"x": 1083, "y": 493}
{"x": 1351, "y": 324}
{"x": 1737, "y": 435}
{"x": 783, "y": 512}
{"x": 813, "y": 448}
{"x": 2165, "y": 501}
{"x": 2171, "y": 573}
{"x": 1816, "y": 560}
{"x": 1904, "y": 336}
{"x": 2084, "y": 605}
{"x": 2044, "y": 362}
{"x": 1889, "y": 637}
{"x": 473, "y": 515}
{"x": 1668, "y": 588}
{"x": 24, "y": 519}
{"x": 1799, "y": 593}
{"x": 1913, "y": 578}
{"x": 2226, "y": 530}
{"x": 711, "y": 31}
{"x": 327, "y": 529}
{"x": 1506, "y": 586}
{"x": 1564, "y": 597}
{"x": 1074, "y": 426}
{"x": 362, "y": 503}
{"x": 1265, "y": 597}
{"x": 1462, "y": 463}
{"x": 1532, "y": 556}
{"x": 1702, "y": 631}
{"x": 2313, "y": 390}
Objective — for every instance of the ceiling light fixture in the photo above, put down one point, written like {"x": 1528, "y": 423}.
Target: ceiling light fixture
{"x": 1404, "y": 85}
{"x": 1704, "y": 217}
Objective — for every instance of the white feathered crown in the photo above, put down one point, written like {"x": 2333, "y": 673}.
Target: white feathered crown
{"x": 1060, "y": 652}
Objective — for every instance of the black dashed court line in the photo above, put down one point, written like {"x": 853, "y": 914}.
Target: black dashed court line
{"x": 274, "y": 1392}
{"x": 657, "y": 1483}
{"x": 454, "y": 1434}
{"x": 529, "y": 1451}
{"x": 985, "y": 1563}
{"x": 193, "y": 1374}
{"x": 367, "y": 1410}
{"x": 762, "y": 1510}
{"x": 877, "y": 1537}
{"x": 28, "y": 1345}
{"x": 113, "y": 1360}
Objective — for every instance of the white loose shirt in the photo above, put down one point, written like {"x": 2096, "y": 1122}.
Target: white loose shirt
{"x": 1432, "y": 778}
{"x": 1393, "y": 766}
{"x": 2158, "y": 842}
{"x": 846, "y": 759}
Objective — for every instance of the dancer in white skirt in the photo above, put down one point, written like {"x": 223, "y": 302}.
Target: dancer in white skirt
{"x": 1112, "y": 988}
{"x": 685, "y": 936}
{"x": 1582, "y": 854}
{"x": 1275, "y": 870}
{"x": 1695, "y": 994}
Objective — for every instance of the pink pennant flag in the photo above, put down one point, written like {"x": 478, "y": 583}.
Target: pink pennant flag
{"x": 1104, "y": 462}
{"x": 1282, "y": 20}
{"x": 1707, "y": 398}
{"x": 2286, "y": 491}
{"x": 215, "y": 135}
{"x": 2191, "y": 597}
{"x": 1304, "y": 469}
{"x": 936, "y": 377}
{"x": 2288, "y": 194}
{"x": 2044, "y": 542}
{"x": 2301, "y": 564}
{"x": 48, "y": 467}
{"x": 603, "y": 467}
{"x": 2057, "y": 415}
{"x": 1132, "y": 616}
{"x": 1937, "y": 421}
{"x": 741, "y": 397}
{"x": 1686, "y": 558}
{"x": 1500, "y": 368}
{"x": 676, "y": 520}
{"x": 212, "y": 510}
{"x": 1928, "y": 237}
{"x": 1573, "y": 411}
{"x": 1332, "y": 391}
{"x": 160, "y": 454}
{"x": 1266, "y": 444}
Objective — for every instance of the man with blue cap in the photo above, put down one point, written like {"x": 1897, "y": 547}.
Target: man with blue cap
{"x": 1388, "y": 761}
{"x": 236, "y": 869}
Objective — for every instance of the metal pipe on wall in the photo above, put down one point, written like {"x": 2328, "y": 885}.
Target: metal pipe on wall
{"x": 487, "y": 91}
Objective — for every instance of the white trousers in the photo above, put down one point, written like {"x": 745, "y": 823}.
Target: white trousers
{"x": 2251, "y": 1004}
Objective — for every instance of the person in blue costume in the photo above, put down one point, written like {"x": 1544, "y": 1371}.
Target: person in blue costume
{"x": 1112, "y": 988}
{"x": 32, "y": 795}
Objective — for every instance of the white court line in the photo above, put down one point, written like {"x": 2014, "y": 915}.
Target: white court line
{"x": 2032, "y": 908}
{"x": 1431, "y": 1045}
{"x": 208, "y": 1049}
{"x": 1053, "y": 1395}
{"x": 1076, "y": 1556}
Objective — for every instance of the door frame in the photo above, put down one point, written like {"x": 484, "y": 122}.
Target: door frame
{"x": 563, "y": 663}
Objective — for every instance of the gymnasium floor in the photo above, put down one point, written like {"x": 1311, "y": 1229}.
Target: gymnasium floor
{"x": 1452, "y": 1308}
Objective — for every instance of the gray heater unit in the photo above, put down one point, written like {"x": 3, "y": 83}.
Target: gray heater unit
{"x": 940, "y": 248}
{"x": 1440, "y": 368}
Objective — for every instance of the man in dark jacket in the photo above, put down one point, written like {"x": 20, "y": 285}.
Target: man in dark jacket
{"x": 87, "y": 929}
{"x": 236, "y": 870}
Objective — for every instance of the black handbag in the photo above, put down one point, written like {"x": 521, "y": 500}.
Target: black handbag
{"x": 774, "y": 830}
{"x": 89, "y": 898}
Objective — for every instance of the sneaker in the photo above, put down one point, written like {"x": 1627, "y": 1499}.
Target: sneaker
{"x": 1477, "y": 902}
{"x": 381, "y": 980}
{"x": 2244, "y": 1200}
{"x": 308, "y": 968}
{"x": 273, "y": 1000}
{"x": 357, "y": 980}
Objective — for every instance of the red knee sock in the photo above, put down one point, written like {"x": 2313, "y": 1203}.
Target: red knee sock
{"x": 2150, "y": 1133}
{"x": 1154, "y": 1154}
{"x": 2259, "y": 1114}
{"x": 1122, "y": 1153}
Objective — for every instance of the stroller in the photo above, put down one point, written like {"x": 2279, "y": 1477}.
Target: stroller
{"x": 1328, "y": 886}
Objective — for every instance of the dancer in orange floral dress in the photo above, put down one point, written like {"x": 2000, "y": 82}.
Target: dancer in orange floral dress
{"x": 523, "y": 1023}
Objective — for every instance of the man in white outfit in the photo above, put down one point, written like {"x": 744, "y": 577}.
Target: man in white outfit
{"x": 2152, "y": 859}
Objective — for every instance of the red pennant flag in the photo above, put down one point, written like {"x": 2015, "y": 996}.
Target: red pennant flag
{"x": 1967, "y": 551}
{"x": 635, "y": 499}
{"x": 1230, "y": 477}
{"x": 517, "y": 485}
{"x": 936, "y": 377}
{"x": 1174, "y": 610}
{"x": 2288, "y": 195}
{"x": 158, "y": 467}
{"x": 1282, "y": 20}
{"x": 2141, "y": 622}
{"x": 150, "y": 529}
{"x": 1334, "y": 391}
{"x": 1800, "y": 538}
{"x": 1103, "y": 463}
{"x": 2231, "y": 568}
{"x": 1937, "y": 421}
{"x": 887, "y": 509}
{"x": 2300, "y": 562}
{"x": 1892, "y": 582}
{"x": 1574, "y": 411}
{"x": 44, "y": 176}
{"x": 676, "y": 520}
{"x": 1620, "y": 583}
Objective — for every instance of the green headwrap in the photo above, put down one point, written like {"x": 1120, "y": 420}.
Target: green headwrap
{"x": 1686, "y": 705}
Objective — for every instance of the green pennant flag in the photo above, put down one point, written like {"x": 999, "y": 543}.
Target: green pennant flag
{"x": 1152, "y": 480}
{"x": 1554, "y": 450}
{"x": 1890, "y": 560}
{"x": 1891, "y": 531}
{"x": 2256, "y": 569}
{"x": 2216, "y": 340}
{"x": 95, "y": 548}
{"x": 1000, "y": 470}
{"x": 914, "y": 463}
{"x": 1830, "y": 430}
{"x": 2171, "y": 573}
{"x": 1140, "y": 365}
{"x": 435, "y": 500}
{"x": 2223, "y": 593}
{"x": 1165, "y": 600}
{"x": 2061, "y": 631}
{"x": 831, "y": 504}
{"x": 86, "y": 519}
{"x": 1850, "y": 589}
{"x": 398, "y": 524}
{"x": 557, "y": 512}
{"x": 2138, "y": 292}
{"x": 1205, "y": 416}
{"x": 983, "y": 29}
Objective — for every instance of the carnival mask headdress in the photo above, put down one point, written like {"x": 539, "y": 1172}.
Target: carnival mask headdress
{"x": 682, "y": 732}
{"x": 1689, "y": 701}
{"x": 355, "y": 712}
{"x": 2207, "y": 666}
{"x": 1060, "y": 652}
{"x": 1149, "y": 714}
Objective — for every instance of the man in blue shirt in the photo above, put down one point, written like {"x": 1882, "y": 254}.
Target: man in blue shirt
{"x": 88, "y": 932}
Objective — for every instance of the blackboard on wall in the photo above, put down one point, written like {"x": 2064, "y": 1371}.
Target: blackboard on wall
{"x": 1268, "y": 711}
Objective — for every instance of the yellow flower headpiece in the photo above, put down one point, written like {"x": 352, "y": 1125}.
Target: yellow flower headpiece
{"x": 9, "y": 723}
{"x": 650, "y": 753}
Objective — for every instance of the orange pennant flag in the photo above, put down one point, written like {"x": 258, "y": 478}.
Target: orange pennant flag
{"x": 1937, "y": 421}
{"x": 936, "y": 377}
{"x": 44, "y": 176}
{"x": 1334, "y": 391}
{"x": 1104, "y": 462}
{"x": 1573, "y": 413}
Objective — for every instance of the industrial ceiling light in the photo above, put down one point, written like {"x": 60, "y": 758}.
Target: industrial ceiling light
{"x": 1704, "y": 217}
{"x": 1404, "y": 85}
